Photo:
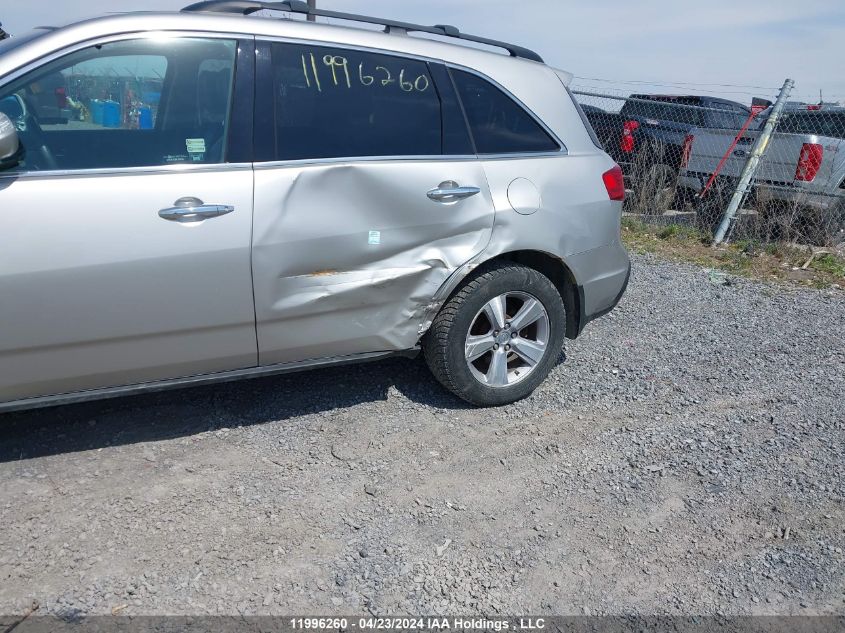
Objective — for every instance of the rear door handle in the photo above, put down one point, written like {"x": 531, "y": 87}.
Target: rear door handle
{"x": 194, "y": 210}
{"x": 450, "y": 192}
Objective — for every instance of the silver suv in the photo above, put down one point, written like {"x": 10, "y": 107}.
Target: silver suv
{"x": 200, "y": 196}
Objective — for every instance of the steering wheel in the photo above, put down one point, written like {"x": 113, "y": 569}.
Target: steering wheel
{"x": 21, "y": 111}
{"x": 39, "y": 156}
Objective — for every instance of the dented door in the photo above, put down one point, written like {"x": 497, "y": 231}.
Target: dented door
{"x": 368, "y": 195}
{"x": 347, "y": 256}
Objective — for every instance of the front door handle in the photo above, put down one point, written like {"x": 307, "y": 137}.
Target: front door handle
{"x": 450, "y": 192}
{"x": 194, "y": 210}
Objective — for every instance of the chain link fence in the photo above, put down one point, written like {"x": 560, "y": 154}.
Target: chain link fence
{"x": 684, "y": 158}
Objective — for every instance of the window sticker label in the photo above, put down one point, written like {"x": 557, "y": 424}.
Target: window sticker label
{"x": 195, "y": 145}
{"x": 375, "y": 237}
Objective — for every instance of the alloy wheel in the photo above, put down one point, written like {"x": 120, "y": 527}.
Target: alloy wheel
{"x": 507, "y": 339}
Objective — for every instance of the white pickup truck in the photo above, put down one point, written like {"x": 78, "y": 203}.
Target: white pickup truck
{"x": 804, "y": 165}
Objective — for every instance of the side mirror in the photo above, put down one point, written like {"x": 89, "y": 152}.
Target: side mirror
{"x": 11, "y": 150}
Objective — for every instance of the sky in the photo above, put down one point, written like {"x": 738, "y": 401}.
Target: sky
{"x": 718, "y": 47}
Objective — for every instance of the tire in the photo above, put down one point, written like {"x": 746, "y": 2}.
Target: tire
{"x": 465, "y": 314}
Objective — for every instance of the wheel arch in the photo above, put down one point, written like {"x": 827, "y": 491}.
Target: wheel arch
{"x": 551, "y": 266}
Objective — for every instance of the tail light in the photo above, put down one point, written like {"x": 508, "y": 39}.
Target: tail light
{"x": 614, "y": 181}
{"x": 626, "y": 144}
{"x": 685, "y": 154}
{"x": 809, "y": 162}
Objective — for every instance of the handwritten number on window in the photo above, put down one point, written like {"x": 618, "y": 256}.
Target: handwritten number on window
{"x": 388, "y": 79}
{"x": 334, "y": 62}
{"x": 406, "y": 86}
{"x": 366, "y": 80}
{"x": 305, "y": 69}
{"x": 338, "y": 63}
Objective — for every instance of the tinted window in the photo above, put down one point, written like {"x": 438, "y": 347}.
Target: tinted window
{"x": 727, "y": 117}
{"x": 456, "y": 139}
{"x": 125, "y": 104}
{"x": 665, "y": 110}
{"x": 499, "y": 125}
{"x": 821, "y": 123}
{"x": 334, "y": 103}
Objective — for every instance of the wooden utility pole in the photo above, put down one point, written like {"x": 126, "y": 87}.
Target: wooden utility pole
{"x": 312, "y": 4}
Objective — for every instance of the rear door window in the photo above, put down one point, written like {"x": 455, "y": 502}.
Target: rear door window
{"x": 499, "y": 124}
{"x": 339, "y": 103}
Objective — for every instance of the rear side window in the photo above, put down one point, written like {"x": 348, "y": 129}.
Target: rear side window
{"x": 499, "y": 125}
{"x": 821, "y": 123}
{"x": 336, "y": 103}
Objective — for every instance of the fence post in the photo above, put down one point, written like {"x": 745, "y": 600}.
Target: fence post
{"x": 753, "y": 162}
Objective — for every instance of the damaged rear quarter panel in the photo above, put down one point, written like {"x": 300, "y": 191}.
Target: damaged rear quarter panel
{"x": 347, "y": 256}
{"x": 575, "y": 215}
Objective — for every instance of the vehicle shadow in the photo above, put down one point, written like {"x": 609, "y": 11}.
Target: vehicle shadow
{"x": 183, "y": 412}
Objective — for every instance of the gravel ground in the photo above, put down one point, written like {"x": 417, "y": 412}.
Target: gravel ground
{"x": 686, "y": 458}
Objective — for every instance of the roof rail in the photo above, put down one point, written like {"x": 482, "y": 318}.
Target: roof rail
{"x": 246, "y": 7}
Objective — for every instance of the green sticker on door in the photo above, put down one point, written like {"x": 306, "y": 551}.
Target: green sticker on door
{"x": 196, "y": 148}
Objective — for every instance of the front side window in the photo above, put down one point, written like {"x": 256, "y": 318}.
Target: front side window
{"x": 133, "y": 103}
{"x": 499, "y": 125}
{"x": 337, "y": 103}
